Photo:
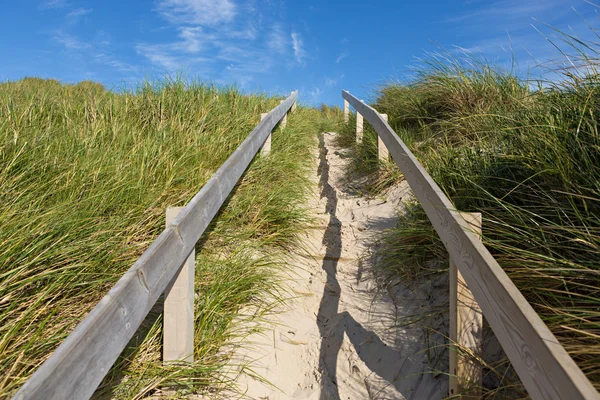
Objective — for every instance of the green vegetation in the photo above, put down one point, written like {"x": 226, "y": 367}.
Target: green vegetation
{"x": 364, "y": 157}
{"x": 529, "y": 160}
{"x": 85, "y": 177}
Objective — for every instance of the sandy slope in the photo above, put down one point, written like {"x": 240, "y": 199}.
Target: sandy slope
{"x": 338, "y": 338}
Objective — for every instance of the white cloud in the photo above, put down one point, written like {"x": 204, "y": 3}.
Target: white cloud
{"x": 156, "y": 55}
{"x": 250, "y": 66}
{"x": 171, "y": 62}
{"x": 249, "y": 33}
{"x": 228, "y": 40}
{"x": 112, "y": 61}
{"x": 70, "y": 42}
{"x": 298, "y": 46}
{"x": 102, "y": 38}
{"x": 97, "y": 50}
{"x": 509, "y": 30}
{"x": 277, "y": 40}
{"x": 341, "y": 57}
{"x": 76, "y": 14}
{"x": 510, "y": 9}
{"x": 197, "y": 12}
{"x": 329, "y": 82}
{"x": 55, "y": 4}
{"x": 233, "y": 52}
{"x": 315, "y": 95}
{"x": 192, "y": 40}
{"x": 173, "y": 56}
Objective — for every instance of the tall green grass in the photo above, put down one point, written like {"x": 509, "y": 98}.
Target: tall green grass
{"x": 85, "y": 177}
{"x": 527, "y": 157}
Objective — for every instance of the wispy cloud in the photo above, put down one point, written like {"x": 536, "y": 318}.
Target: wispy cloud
{"x": 319, "y": 90}
{"x": 298, "y": 46}
{"x": 159, "y": 57}
{"x": 277, "y": 40}
{"x": 76, "y": 14}
{"x": 315, "y": 95}
{"x": 180, "y": 54}
{"x": 233, "y": 41}
{"x": 55, "y": 4}
{"x": 171, "y": 63}
{"x": 341, "y": 57}
{"x": 508, "y": 30}
{"x": 514, "y": 9}
{"x": 97, "y": 51}
{"x": 70, "y": 42}
{"x": 248, "y": 67}
{"x": 193, "y": 40}
{"x": 330, "y": 82}
{"x": 197, "y": 12}
{"x": 248, "y": 33}
{"x": 111, "y": 61}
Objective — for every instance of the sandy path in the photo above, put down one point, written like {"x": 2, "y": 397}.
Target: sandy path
{"x": 338, "y": 338}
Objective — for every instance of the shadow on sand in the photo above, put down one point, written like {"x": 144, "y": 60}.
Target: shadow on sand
{"x": 333, "y": 324}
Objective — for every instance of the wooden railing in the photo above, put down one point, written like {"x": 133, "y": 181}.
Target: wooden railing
{"x": 543, "y": 365}
{"x": 79, "y": 364}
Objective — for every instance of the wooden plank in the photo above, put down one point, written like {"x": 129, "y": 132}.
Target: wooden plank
{"x": 382, "y": 152}
{"x": 346, "y": 111}
{"x": 266, "y": 148}
{"x": 466, "y": 329}
{"x": 295, "y": 102}
{"x": 283, "y": 122}
{"x": 544, "y": 366}
{"x": 359, "y": 127}
{"x": 80, "y": 363}
{"x": 178, "y": 316}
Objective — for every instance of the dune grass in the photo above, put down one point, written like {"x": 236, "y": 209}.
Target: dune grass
{"x": 85, "y": 177}
{"x": 526, "y": 156}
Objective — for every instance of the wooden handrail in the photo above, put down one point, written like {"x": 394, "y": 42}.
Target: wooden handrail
{"x": 79, "y": 364}
{"x": 544, "y": 366}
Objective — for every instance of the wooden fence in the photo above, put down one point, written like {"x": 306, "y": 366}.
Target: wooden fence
{"x": 544, "y": 366}
{"x": 79, "y": 364}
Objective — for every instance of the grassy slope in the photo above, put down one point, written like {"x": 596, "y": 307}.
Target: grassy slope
{"x": 85, "y": 177}
{"x": 530, "y": 162}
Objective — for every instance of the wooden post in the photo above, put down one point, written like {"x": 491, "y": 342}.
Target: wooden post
{"x": 466, "y": 329}
{"x": 266, "y": 148}
{"x": 178, "y": 324}
{"x": 346, "y": 111}
{"x": 283, "y": 122}
{"x": 359, "y": 127}
{"x": 382, "y": 151}
{"x": 293, "y": 108}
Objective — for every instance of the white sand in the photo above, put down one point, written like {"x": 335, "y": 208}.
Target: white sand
{"x": 340, "y": 338}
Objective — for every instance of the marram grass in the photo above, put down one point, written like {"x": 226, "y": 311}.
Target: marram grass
{"x": 528, "y": 158}
{"x": 85, "y": 177}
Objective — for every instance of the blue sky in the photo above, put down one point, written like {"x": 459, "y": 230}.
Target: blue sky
{"x": 276, "y": 46}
